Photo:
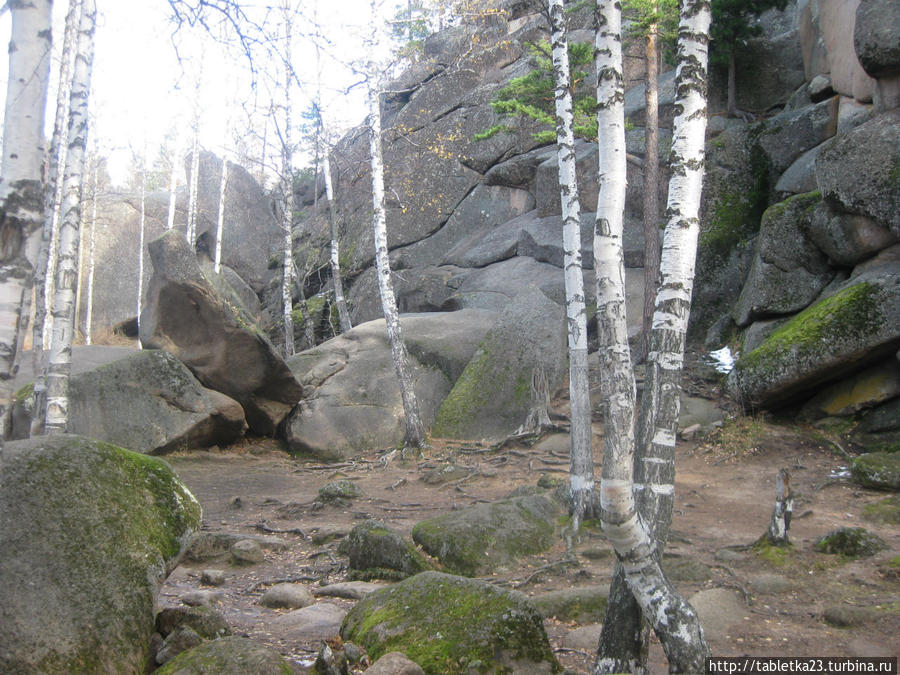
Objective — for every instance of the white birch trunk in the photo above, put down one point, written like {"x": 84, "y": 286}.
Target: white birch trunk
{"x": 220, "y": 223}
{"x": 141, "y": 229}
{"x": 581, "y": 471}
{"x": 45, "y": 270}
{"x": 340, "y": 301}
{"x": 191, "y": 232}
{"x": 415, "y": 430}
{"x": 21, "y": 198}
{"x": 673, "y": 620}
{"x": 173, "y": 186}
{"x": 63, "y": 303}
{"x": 287, "y": 197}
{"x": 89, "y": 308}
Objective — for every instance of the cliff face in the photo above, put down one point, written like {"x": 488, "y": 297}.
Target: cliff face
{"x": 472, "y": 222}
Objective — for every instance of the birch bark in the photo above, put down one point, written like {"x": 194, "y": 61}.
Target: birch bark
{"x": 220, "y": 222}
{"x": 21, "y": 198}
{"x": 64, "y": 300}
{"x": 287, "y": 196}
{"x": 191, "y": 232}
{"x": 335, "y": 258}
{"x": 581, "y": 470}
{"x": 415, "y": 430}
{"x": 173, "y": 186}
{"x": 89, "y": 308}
{"x": 634, "y": 534}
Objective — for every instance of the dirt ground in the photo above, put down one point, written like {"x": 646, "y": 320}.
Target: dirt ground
{"x": 724, "y": 497}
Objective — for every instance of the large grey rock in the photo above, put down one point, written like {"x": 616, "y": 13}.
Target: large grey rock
{"x": 228, "y": 656}
{"x": 876, "y": 37}
{"x": 826, "y": 40}
{"x": 151, "y": 403}
{"x": 788, "y": 271}
{"x": 185, "y": 316}
{"x": 394, "y": 663}
{"x": 482, "y": 210}
{"x": 860, "y": 170}
{"x": 800, "y": 176}
{"x": 351, "y": 396}
{"x": 320, "y": 621}
{"x": 484, "y": 538}
{"x": 519, "y": 171}
{"x": 547, "y": 180}
{"x": 845, "y": 238}
{"x": 452, "y": 625}
{"x": 786, "y": 136}
{"x": 494, "y": 395}
{"x": 250, "y": 236}
{"x": 376, "y": 551}
{"x": 857, "y": 325}
{"x": 420, "y": 289}
{"x": 88, "y": 533}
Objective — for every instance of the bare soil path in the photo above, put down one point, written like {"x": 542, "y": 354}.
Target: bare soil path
{"x": 725, "y": 493}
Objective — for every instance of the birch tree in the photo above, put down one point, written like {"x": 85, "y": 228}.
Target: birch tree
{"x": 194, "y": 178}
{"x": 173, "y": 186}
{"x": 64, "y": 299}
{"x": 335, "y": 257}
{"x": 89, "y": 305}
{"x": 141, "y": 229}
{"x": 287, "y": 193}
{"x": 637, "y": 527}
{"x": 21, "y": 198}
{"x": 220, "y": 221}
{"x": 581, "y": 471}
{"x": 415, "y": 429}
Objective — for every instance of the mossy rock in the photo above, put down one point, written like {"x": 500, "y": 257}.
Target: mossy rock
{"x": 847, "y": 616}
{"x": 375, "y": 551}
{"x": 228, "y": 656}
{"x": 836, "y": 334}
{"x": 851, "y": 542}
{"x": 584, "y": 605}
{"x": 207, "y": 622}
{"x": 884, "y": 512}
{"x": 338, "y": 492}
{"x": 878, "y": 470}
{"x": 486, "y": 537}
{"x": 449, "y": 625}
{"x": 88, "y": 533}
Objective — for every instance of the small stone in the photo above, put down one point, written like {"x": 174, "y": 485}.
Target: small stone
{"x": 690, "y": 433}
{"x": 236, "y": 503}
{"x": 395, "y": 663}
{"x": 729, "y": 555}
{"x": 348, "y": 590}
{"x": 844, "y": 616}
{"x": 338, "y": 492}
{"x": 287, "y": 596}
{"x": 686, "y": 569}
{"x": 771, "y": 584}
{"x": 180, "y": 640}
{"x": 201, "y": 598}
{"x": 212, "y": 577}
{"x": 852, "y": 542}
{"x": 353, "y": 652}
{"x": 246, "y": 552}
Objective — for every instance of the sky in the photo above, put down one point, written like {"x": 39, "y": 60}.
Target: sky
{"x": 145, "y": 73}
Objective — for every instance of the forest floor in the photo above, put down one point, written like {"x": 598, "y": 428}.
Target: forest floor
{"x": 725, "y": 491}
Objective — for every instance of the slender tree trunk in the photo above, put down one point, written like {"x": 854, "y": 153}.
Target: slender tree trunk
{"x": 732, "y": 106}
{"x": 287, "y": 197}
{"x": 173, "y": 186}
{"x": 415, "y": 429}
{"x": 63, "y": 302}
{"x": 340, "y": 301}
{"x": 780, "y": 525}
{"x": 581, "y": 471}
{"x": 632, "y": 533}
{"x": 45, "y": 271}
{"x": 89, "y": 310}
{"x": 651, "y": 189}
{"x": 21, "y": 197}
{"x": 220, "y": 223}
{"x": 191, "y": 232}
{"x": 141, "y": 229}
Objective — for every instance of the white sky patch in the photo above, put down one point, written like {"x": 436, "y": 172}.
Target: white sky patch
{"x": 141, "y": 92}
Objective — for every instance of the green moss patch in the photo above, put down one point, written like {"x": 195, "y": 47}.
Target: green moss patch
{"x": 878, "y": 470}
{"x": 451, "y": 625}
{"x": 486, "y": 537}
{"x": 228, "y": 656}
{"x": 850, "y": 542}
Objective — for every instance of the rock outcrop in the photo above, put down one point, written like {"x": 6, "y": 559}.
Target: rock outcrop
{"x": 88, "y": 533}
{"x": 188, "y": 318}
{"x": 452, "y": 625}
{"x": 351, "y": 399}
